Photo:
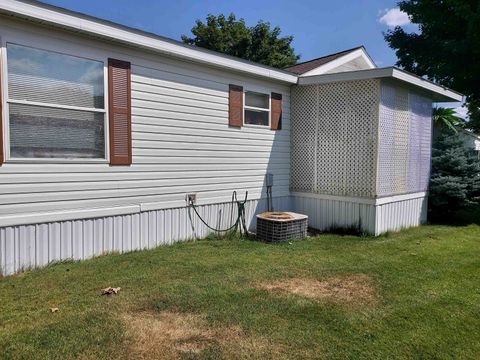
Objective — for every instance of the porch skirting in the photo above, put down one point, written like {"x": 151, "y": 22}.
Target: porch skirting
{"x": 372, "y": 216}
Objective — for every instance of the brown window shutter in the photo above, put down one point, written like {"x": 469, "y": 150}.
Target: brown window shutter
{"x": 276, "y": 108}
{"x": 235, "y": 106}
{"x": 120, "y": 117}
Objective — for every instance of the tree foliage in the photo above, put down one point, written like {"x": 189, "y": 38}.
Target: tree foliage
{"x": 259, "y": 43}
{"x": 455, "y": 179}
{"x": 447, "y": 119}
{"x": 446, "y": 49}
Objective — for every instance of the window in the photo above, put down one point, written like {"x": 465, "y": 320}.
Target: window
{"x": 257, "y": 109}
{"x": 56, "y": 105}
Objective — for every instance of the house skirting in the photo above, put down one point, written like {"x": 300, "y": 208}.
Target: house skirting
{"x": 27, "y": 246}
{"x": 372, "y": 216}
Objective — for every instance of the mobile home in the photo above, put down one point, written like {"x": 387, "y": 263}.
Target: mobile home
{"x": 106, "y": 129}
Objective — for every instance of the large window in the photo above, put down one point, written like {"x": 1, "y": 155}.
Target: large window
{"x": 257, "y": 109}
{"x": 56, "y": 105}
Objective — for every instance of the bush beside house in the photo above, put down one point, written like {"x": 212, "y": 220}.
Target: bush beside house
{"x": 455, "y": 178}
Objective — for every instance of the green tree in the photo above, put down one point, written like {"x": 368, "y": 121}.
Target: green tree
{"x": 455, "y": 179}
{"x": 259, "y": 43}
{"x": 446, "y": 49}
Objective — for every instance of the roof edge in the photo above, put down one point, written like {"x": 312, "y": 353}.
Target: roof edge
{"x": 326, "y": 62}
{"x": 67, "y": 19}
{"x": 471, "y": 133}
{"x": 441, "y": 93}
{"x": 333, "y": 54}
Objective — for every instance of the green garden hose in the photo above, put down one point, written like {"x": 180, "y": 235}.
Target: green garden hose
{"x": 239, "y": 224}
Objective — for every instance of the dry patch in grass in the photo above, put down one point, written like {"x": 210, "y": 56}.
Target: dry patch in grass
{"x": 167, "y": 335}
{"x": 173, "y": 335}
{"x": 353, "y": 289}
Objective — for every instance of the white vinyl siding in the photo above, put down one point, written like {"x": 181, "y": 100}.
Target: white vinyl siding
{"x": 181, "y": 142}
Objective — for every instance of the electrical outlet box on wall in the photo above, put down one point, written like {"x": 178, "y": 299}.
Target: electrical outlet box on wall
{"x": 191, "y": 199}
{"x": 269, "y": 179}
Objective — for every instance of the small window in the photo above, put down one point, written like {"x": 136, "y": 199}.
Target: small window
{"x": 257, "y": 109}
{"x": 56, "y": 105}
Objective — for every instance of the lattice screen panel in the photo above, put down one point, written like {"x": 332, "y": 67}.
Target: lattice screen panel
{"x": 304, "y": 112}
{"x": 414, "y": 150}
{"x": 386, "y": 143}
{"x": 404, "y": 141}
{"x": 400, "y": 147}
{"x": 421, "y": 139}
{"x": 334, "y": 134}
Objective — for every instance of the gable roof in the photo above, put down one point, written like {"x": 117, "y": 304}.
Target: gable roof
{"x": 306, "y": 66}
{"x": 353, "y": 59}
{"x": 57, "y": 17}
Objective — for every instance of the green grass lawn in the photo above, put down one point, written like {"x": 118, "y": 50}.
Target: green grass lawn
{"x": 409, "y": 295}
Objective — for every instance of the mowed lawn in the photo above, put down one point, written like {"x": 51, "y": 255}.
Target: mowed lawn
{"x": 408, "y": 295}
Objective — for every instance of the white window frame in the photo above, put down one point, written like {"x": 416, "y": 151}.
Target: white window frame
{"x": 6, "y": 101}
{"x": 245, "y": 107}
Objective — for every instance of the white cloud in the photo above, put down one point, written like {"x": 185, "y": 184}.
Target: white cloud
{"x": 93, "y": 74}
{"x": 394, "y": 17}
{"x": 23, "y": 65}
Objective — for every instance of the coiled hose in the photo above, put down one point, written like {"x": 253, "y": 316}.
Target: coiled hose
{"x": 240, "y": 223}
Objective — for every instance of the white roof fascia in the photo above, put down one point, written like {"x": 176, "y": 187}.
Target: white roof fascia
{"x": 322, "y": 69}
{"x": 472, "y": 134}
{"x": 441, "y": 93}
{"x": 427, "y": 85}
{"x": 33, "y": 10}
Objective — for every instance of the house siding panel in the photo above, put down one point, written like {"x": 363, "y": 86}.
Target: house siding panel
{"x": 181, "y": 143}
{"x": 181, "y": 140}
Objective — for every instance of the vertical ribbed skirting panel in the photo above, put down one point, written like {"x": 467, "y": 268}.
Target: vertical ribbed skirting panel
{"x": 334, "y": 130}
{"x": 373, "y": 219}
{"x": 325, "y": 214}
{"x": 32, "y": 246}
{"x": 399, "y": 215}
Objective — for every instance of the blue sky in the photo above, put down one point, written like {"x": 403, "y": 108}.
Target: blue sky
{"x": 319, "y": 27}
